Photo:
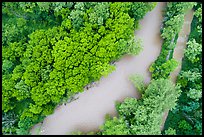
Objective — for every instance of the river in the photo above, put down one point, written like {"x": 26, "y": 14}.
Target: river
{"x": 87, "y": 113}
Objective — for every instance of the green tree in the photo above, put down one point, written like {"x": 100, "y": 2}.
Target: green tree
{"x": 143, "y": 116}
{"x": 7, "y": 67}
{"x": 170, "y": 131}
{"x": 190, "y": 75}
{"x": 99, "y": 14}
{"x": 114, "y": 126}
{"x": 134, "y": 47}
{"x": 9, "y": 120}
{"x": 193, "y": 51}
{"x": 139, "y": 9}
{"x": 168, "y": 32}
{"x": 195, "y": 94}
{"x": 138, "y": 82}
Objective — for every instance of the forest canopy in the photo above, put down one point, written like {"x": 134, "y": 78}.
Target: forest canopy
{"x": 52, "y": 50}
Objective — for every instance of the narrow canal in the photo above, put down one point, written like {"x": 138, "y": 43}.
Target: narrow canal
{"x": 179, "y": 49}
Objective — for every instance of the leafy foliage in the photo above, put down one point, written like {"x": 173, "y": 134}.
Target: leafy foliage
{"x": 187, "y": 116}
{"x": 193, "y": 51}
{"x": 52, "y": 50}
{"x": 9, "y": 121}
{"x": 165, "y": 69}
{"x": 139, "y": 9}
{"x": 134, "y": 47}
{"x": 143, "y": 116}
{"x": 115, "y": 126}
{"x": 172, "y": 23}
{"x": 170, "y": 131}
{"x": 168, "y": 32}
{"x": 138, "y": 82}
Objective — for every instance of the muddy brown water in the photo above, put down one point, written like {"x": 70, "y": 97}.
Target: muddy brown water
{"x": 87, "y": 113}
{"x": 179, "y": 50}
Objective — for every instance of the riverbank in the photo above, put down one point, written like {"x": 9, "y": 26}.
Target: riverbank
{"x": 88, "y": 112}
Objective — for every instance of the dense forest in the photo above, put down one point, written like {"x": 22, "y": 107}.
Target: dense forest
{"x": 188, "y": 111}
{"x": 52, "y": 50}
